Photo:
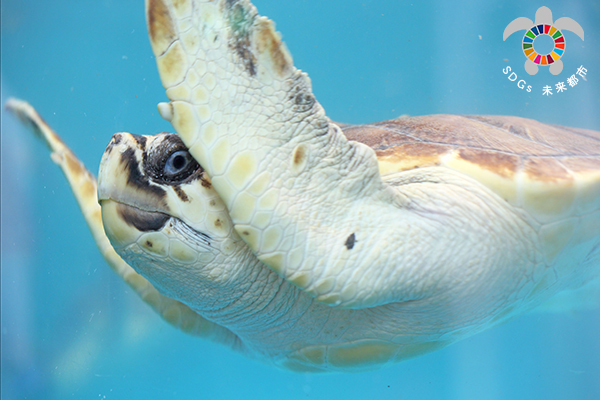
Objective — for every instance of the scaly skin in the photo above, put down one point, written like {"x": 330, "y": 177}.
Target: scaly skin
{"x": 309, "y": 203}
{"x": 180, "y": 238}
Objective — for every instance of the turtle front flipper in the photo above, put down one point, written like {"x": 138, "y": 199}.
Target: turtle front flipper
{"x": 309, "y": 203}
{"x": 83, "y": 184}
{"x": 516, "y": 25}
{"x": 569, "y": 24}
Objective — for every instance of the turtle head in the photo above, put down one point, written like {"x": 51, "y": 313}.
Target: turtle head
{"x": 161, "y": 214}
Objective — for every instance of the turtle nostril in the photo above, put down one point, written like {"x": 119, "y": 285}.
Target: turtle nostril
{"x": 117, "y": 137}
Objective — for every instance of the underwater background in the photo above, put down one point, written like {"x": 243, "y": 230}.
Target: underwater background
{"x": 72, "y": 329}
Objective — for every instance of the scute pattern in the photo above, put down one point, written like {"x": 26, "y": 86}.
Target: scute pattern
{"x": 524, "y": 161}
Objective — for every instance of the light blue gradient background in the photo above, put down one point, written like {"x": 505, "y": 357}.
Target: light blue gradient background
{"x": 72, "y": 329}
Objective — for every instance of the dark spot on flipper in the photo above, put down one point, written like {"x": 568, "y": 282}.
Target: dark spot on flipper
{"x": 149, "y": 243}
{"x": 268, "y": 42}
{"x": 143, "y": 221}
{"x": 299, "y": 154}
{"x": 160, "y": 26}
{"x": 350, "y": 241}
{"x": 240, "y": 21}
{"x": 301, "y": 98}
{"x": 245, "y": 233}
{"x": 180, "y": 193}
{"x": 304, "y": 99}
{"x": 218, "y": 222}
{"x": 242, "y": 47}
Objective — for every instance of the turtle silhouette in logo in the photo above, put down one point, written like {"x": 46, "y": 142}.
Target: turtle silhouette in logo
{"x": 543, "y": 27}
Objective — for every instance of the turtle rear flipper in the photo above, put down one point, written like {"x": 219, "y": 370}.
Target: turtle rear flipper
{"x": 556, "y": 68}
{"x": 83, "y": 184}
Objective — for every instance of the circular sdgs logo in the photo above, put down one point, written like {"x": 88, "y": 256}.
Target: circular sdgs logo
{"x": 538, "y": 32}
{"x": 543, "y": 30}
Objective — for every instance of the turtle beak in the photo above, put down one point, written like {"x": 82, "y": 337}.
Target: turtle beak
{"x": 111, "y": 174}
{"x": 121, "y": 177}
{"x": 130, "y": 204}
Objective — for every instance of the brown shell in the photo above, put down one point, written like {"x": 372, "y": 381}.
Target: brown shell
{"x": 522, "y": 160}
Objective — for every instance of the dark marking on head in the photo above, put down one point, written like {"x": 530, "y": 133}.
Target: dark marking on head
{"x": 218, "y": 222}
{"x": 115, "y": 140}
{"x": 350, "y": 241}
{"x": 144, "y": 158}
{"x": 180, "y": 193}
{"x": 149, "y": 243}
{"x": 141, "y": 141}
{"x": 245, "y": 233}
{"x": 136, "y": 179}
{"x": 205, "y": 181}
{"x": 212, "y": 202}
{"x": 143, "y": 221}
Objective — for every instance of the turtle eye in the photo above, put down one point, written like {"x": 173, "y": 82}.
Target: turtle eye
{"x": 179, "y": 165}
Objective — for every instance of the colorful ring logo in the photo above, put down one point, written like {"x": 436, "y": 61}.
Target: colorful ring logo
{"x": 543, "y": 30}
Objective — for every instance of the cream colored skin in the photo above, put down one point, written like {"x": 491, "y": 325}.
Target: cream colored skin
{"x": 446, "y": 295}
{"x": 297, "y": 191}
{"x": 432, "y": 251}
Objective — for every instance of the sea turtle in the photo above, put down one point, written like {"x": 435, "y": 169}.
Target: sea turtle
{"x": 321, "y": 246}
{"x": 543, "y": 27}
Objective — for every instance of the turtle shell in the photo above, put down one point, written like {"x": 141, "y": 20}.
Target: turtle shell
{"x": 550, "y": 171}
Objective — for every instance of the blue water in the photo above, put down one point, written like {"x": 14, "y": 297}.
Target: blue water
{"x": 72, "y": 329}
